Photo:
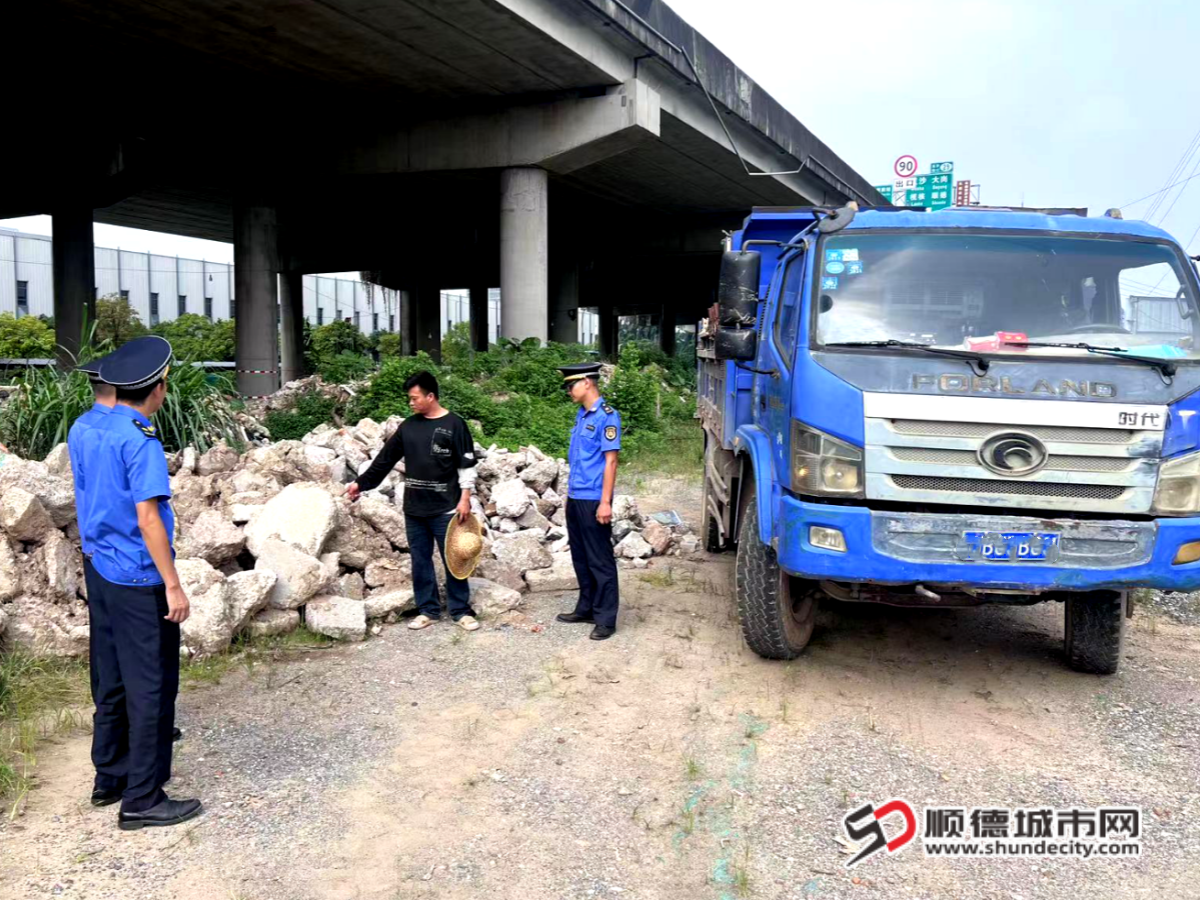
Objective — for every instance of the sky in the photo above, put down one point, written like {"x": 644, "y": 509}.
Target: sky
{"x": 1052, "y": 103}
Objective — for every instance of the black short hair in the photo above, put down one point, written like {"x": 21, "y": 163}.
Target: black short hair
{"x": 137, "y": 396}
{"x": 423, "y": 380}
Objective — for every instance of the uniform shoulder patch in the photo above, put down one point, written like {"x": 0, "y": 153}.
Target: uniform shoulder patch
{"x": 611, "y": 432}
{"x": 608, "y": 409}
{"x": 148, "y": 430}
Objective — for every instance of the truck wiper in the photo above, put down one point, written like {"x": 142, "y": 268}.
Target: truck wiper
{"x": 1165, "y": 367}
{"x": 979, "y": 364}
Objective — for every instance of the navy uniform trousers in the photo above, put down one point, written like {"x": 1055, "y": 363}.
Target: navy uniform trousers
{"x": 135, "y": 677}
{"x": 595, "y": 565}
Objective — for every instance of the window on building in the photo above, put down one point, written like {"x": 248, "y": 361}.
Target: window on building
{"x": 337, "y": 314}
{"x": 208, "y": 308}
{"x": 22, "y": 298}
{"x": 374, "y": 321}
{"x": 153, "y": 309}
{"x": 320, "y": 316}
{"x": 182, "y": 304}
{"x": 356, "y": 321}
{"x": 391, "y": 322}
{"x": 125, "y": 296}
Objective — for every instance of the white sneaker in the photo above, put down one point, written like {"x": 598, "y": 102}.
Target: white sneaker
{"x": 420, "y": 622}
{"x": 468, "y": 623}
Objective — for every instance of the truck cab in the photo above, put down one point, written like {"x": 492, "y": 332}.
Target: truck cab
{"x": 952, "y": 408}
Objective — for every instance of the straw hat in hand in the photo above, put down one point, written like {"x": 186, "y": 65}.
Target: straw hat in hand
{"x": 464, "y": 546}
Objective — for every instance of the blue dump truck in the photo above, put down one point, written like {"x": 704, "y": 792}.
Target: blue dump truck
{"x": 952, "y": 408}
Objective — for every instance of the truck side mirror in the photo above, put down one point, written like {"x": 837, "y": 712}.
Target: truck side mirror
{"x": 737, "y": 289}
{"x": 736, "y": 343}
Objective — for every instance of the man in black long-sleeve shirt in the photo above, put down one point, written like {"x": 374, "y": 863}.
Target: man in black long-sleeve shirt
{"x": 439, "y": 464}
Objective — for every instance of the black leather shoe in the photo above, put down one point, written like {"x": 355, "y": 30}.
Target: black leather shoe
{"x": 602, "y": 632}
{"x": 164, "y": 814}
{"x": 106, "y": 798}
{"x": 176, "y": 735}
{"x": 574, "y": 618}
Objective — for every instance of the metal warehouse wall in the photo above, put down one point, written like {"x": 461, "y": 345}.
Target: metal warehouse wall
{"x": 161, "y": 288}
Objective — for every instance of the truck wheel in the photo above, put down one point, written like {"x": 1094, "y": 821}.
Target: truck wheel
{"x": 1094, "y": 630}
{"x": 776, "y": 615}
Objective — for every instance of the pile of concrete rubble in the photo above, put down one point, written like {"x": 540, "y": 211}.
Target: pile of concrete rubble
{"x": 267, "y": 539}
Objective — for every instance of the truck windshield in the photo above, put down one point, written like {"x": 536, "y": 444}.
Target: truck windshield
{"x": 989, "y": 293}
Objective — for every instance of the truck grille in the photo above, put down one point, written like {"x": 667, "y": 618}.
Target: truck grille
{"x": 1016, "y": 488}
{"x": 1045, "y": 432}
{"x": 915, "y": 455}
{"x": 1056, "y": 462}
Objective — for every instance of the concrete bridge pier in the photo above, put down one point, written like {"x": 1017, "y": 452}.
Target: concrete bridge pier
{"x": 256, "y": 267}
{"x": 524, "y": 255}
{"x": 74, "y": 278}
{"x": 291, "y": 325}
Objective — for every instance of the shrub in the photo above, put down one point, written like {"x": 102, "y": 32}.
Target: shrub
{"x": 678, "y": 371}
{"x": 337, "y": 338}
{"x": 310, "y": 409}
{"x": 457, "y": 352}
{"x": 25, "y": 338}
{"x": 198, "y": 410}
{"x": 344, "y": 367}
{"x": 385, "y": 396}
{"x": 634, "y": 391}
{"x": 117, "y": 321}
{"x": 389, "y": 344}
{"x": 195, "y": 338}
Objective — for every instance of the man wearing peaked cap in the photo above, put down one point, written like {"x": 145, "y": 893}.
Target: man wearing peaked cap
{"x": 135, "y": 597}
{"x": 595, "y": 443}
{"x": 104, "y": 399}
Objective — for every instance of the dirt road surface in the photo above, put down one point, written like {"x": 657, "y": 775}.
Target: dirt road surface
{"x": 668, "y": 762}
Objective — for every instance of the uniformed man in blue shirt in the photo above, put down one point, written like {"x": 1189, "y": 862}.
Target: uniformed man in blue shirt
{"x": 135, "y": 598}
{"x": 104, "y": 399}
{"x": 595, "y": 444}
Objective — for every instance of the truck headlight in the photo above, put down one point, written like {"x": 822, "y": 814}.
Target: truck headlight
{"x": 823, "y": 465}
{"x": 1178, "y": 491}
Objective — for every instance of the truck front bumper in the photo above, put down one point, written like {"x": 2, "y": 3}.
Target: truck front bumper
{"x": 899, "y": 548}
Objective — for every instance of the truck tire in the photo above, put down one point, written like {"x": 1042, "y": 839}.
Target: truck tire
{"x": 776, "y": 614}
{"x": 1094, "y": 630}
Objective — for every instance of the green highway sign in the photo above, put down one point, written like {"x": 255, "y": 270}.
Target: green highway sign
{"x": 886, "y": 190}
{"x": 934, "y": 190}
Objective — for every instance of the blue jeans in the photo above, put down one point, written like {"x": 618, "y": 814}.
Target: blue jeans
{"x": 422, "y": 531}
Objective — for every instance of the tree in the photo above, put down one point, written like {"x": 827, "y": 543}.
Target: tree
{"x": 197, "y": 339}
{"x": 389, "y": 344}
{"x": 117, "y": 321}
{"x": 338, "y": 337}
{"x": 25, "y": 338}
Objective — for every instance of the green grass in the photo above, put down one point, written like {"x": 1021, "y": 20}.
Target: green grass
{"x": 39, "y": 698}
{"x": 245, "y": 652}
{"x": 677, "y": 452}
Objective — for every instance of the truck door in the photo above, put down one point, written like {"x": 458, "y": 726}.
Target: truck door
{"x": 778, "y": 351}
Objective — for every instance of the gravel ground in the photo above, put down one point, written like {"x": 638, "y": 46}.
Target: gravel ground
{"x": 668, "y": 762}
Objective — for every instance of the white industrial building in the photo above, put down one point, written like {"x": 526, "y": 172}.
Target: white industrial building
{"x": 162, "y": 288}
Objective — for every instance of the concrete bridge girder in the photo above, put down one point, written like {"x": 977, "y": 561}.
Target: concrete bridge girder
{"x": 561, "y": 136}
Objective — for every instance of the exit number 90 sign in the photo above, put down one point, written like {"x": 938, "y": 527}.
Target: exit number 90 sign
{"x": 906, "y": 166}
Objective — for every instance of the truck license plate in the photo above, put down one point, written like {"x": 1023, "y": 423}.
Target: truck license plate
{"x": 1011, "y": 546}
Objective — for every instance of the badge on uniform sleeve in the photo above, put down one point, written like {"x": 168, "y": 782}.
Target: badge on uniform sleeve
{"x": 148, "y": 430}
{"x": 610, "y": 433}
